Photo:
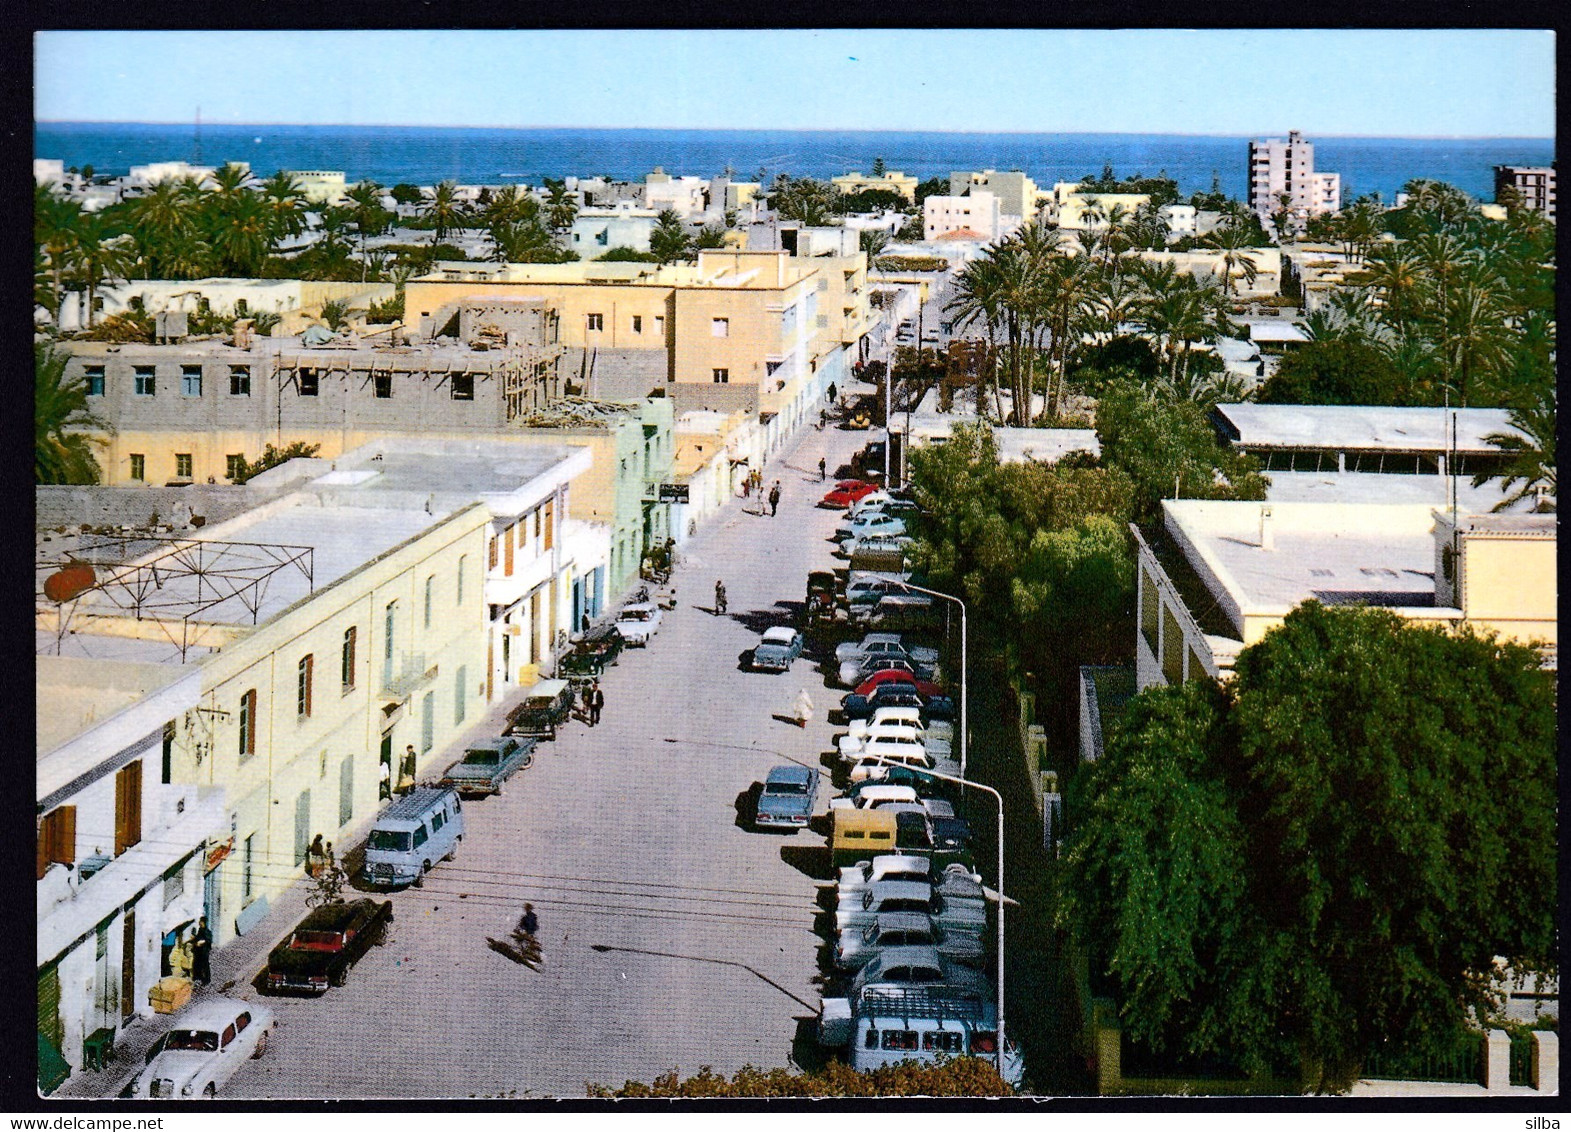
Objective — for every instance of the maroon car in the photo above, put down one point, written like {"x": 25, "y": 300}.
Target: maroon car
{"x": 897, "y": 676}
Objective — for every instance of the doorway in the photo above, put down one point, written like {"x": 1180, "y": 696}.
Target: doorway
{"x": 128, "y": 967}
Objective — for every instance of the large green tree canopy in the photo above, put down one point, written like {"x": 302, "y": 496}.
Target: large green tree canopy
{"x": 1317, "y": 860}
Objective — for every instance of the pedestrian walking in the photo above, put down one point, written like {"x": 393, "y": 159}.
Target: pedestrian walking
{"x": 821, "y": 466}
{"x": 774, "y": 499}
{"x": 720, "y": 599}
{"x": 201, "y": 953}
{"x": 596, "y": 702}
{"x": 803, "y": 710}
{"x": 384, "y": 786}
{"x": 831, "y": 392}
{"x": 314, "y": 857}
{"x": 529, "y": 923}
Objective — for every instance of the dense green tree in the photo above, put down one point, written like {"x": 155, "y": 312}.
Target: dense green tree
{"x": 404, "y": 193}
{"x": 627, "y": 255}
{"x": 1315, "y": 862}
{"x": 1335, "y": 372}
{"x": 803, "y": 199}
{"x": 1169, "y": 449}
{"x": 271, "y": 457}
{"x": 62, "y": 450}
{"x": 871, "y": 200}
{"x": 932, "y": 187}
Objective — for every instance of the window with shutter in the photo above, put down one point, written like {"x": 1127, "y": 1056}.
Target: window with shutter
{"x": 128, "y": 807}
{"x": 57, "y": 839}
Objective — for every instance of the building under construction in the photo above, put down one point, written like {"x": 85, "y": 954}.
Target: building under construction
{"x": 194, "y": 410}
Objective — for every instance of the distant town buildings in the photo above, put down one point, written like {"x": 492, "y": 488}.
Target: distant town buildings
{"x": 1016, "y": 193}
{"x": 1534, "y": 184}
{"x": 1277, "y": 168}
{"x": 890, "y": 181}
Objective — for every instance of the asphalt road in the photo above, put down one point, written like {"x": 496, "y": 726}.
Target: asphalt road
{"x": 674, "y": 937}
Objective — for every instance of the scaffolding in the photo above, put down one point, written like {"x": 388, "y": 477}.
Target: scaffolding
{"x": 148, "y": 578}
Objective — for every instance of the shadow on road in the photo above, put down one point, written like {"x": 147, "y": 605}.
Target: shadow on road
{"x": 807, "y": 1056}
{"x": 810, "y": 860}
{"x": 760, "y": 619}
{"x": 747, "y": 806}
{"x": 605, "y": 947}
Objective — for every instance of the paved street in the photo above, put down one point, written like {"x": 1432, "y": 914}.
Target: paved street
{"x": 674, "y": 938}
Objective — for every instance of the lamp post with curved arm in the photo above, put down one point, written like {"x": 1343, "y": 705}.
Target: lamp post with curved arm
{"x": 998, "y": 798}
{"x": 964, "y": 720}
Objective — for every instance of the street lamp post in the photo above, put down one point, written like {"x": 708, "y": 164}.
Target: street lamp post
{"x": 998, "y": 798}
{"x": 964, "y": 719}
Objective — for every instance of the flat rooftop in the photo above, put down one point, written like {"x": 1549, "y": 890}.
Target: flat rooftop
{"x": 259, "y": 544}
{"x": 1361, "y": 427}
{"x": 1377, "y": 487}
{"x": 1338, "y": 554}
{"x": 449, "y": 475}
{"x": 69, "y": 697}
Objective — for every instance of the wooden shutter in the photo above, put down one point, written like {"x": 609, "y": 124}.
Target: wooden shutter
{"x": 550, "y": 517}
{"x": 57, "y": 839}
{"x": 507, "y": 547}
{"x": 128, "y": 807}
{"x": 348, "y": 675}
{"x": 307, "y": 670}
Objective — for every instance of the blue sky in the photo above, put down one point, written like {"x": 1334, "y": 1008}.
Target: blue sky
{"x": 1468, "y": 83}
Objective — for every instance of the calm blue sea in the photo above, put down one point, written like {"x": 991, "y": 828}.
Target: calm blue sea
{"x": 425, "y": 155}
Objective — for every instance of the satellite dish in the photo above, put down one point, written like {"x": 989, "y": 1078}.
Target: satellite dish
{"x": 68, "y": 581}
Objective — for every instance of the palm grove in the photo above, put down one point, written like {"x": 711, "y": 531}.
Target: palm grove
{"x": 1314, "y": 867}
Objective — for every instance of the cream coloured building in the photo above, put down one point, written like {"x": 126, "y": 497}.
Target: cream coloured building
{"x": 328, "y": 635}
{"x": 890, "y": 181}
{"x": 1220, "y": 574}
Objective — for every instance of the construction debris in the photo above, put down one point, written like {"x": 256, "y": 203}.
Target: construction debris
{"x": 578, "y": 412}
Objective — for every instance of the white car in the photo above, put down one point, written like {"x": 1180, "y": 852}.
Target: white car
{"x": 873, "y": 795}
{"x": 638, "y": 622}
{"x": 211, "y": 1042}
{"x": 875, "y": 765}
{"x": 868, "y": 543}
{"x": 882, "y": 736}
{"x": 875, "y": 523}
{"x": 886, "y": 866}
{"x": 868, "y": 504}
{"x": 940, "y": 729}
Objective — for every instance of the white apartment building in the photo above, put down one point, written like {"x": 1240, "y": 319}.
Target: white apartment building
{"x": 976, "y": 211}
{"x": 1277, "y": 167}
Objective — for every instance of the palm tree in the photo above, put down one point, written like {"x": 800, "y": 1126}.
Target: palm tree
{"x": 978, "y": 296}
{"x": 1474, "y": 338}
{"x": 55, "y": 220}
{"x": 1396, "y": 276}
{"x": 1233, "y": 241}
{"x": 284, "y": 202}
{"x": 1532, "y": 454}
{"x": 62, "y": 453}
{"x": 242, "y": 236}
{"x": 873, "y": 241}
{"x": 365, "y": 204}
{"x": 1114, "y": 300}
{"x": 669, "y": 241}
{"x": 97, "y": 255}
{"x": 561, "y": 206}
{"x": 444, "y": 210}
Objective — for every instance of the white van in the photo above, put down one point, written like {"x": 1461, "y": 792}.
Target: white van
{"x": 412, "y": 834}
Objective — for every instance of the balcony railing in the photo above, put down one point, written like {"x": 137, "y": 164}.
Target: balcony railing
{"x": 407, "y": 673}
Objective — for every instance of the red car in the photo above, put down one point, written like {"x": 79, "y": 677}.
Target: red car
{"x": 847, "y": 492}
{"x": 924, "y": 688}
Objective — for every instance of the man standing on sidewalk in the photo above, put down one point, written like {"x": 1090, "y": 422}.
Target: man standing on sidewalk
{"x": 201, "y": 953}
{"x": 821, "y": 466}
{"x": 596, "y": 702}
{"x": 774, "y": 499}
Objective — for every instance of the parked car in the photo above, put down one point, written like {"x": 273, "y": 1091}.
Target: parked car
{"x": 897, "y": 694}
{"x": 898, "y": 968}
{"x": 875, "y": 544}
{"x": 324, "y": 945}
{"x": 954, "y": 879}
{"x": 869, "y": 795}
{"x": 864, "y": 590}
{"x": 884, "y": 736}
{"x": 822, "y": 601}
{"x": 853, "y": 672}
{"x": 779, "y": 646}
{"x": 902, "y": 612}
{"x": 882, "y": 755}
{"x": 594, "y": 654}
{"x": 915, "y": 835}
{"x": 924, "y": 688}
{"x": 909, "y": 716}
{"x": 916, "y": 1023}
{"x": 875, "y": 524}
{"x": 846, "y": 492}
{"x": 545, "y": 707}
{"x": 902, "y": 929}
{"x": 205, "y": 1050}
{"x": 787, "y": 799}
{"x": 638, "y": 622}
{"x": 884, "y": 644}
{"x": 951, "y": 912}
{"x": 414, "y": 832}
{"x": 488, "y": 764}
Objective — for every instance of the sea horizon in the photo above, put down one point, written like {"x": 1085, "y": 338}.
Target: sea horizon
{"x": 424, "y": 155}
